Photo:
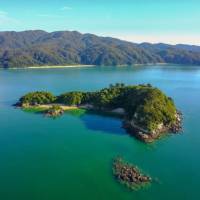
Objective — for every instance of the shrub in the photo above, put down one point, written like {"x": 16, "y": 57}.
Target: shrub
{"x": 39, "y": 97}
{"x": 70, "y": 98}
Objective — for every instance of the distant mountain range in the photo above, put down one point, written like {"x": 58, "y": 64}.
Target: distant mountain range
{"x": 39, "y": 48}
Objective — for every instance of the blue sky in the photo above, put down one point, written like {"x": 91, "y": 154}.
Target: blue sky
{"x": 171, "y": 21}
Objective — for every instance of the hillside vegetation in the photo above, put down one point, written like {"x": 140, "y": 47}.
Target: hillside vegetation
{"x": 39, "y": 48}
{"x": 145, "y": 106}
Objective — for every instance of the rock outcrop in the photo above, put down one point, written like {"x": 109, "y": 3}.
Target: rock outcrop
{"x": 129, "y": 175}
{"x": 150, "y": 136}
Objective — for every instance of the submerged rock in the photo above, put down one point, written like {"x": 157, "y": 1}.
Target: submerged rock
{"x": 128, "y": 174}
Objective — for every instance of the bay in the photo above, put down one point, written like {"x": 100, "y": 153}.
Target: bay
{"x": 71, "y": 157}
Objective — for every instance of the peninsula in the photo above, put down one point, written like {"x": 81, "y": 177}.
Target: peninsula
{"x": 146, "y": 111}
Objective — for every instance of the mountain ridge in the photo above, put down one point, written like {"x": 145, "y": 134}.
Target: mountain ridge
{"x": 39, "y": 48}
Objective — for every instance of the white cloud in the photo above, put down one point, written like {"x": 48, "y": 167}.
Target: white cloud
{"x": 5, "y": 19}
{"x": 66, "y": 8}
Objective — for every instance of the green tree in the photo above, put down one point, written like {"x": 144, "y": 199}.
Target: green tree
{"x": 39, "y": 97}
{"x": 70, "y": 98}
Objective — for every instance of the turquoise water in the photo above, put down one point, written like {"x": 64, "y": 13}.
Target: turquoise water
{"x": 71, "y": 157}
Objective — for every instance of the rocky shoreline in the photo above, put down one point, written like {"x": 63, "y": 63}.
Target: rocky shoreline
{"x": 54, "y": 111}
{"x": 129, "y": 175}
{"x": 148, "y": 137}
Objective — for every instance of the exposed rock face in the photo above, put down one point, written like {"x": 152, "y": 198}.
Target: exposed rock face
{"x": 128, "y": 174}
{"x": 177, "y": 127}
{"x": 149, "y": 136}
{"x": 54, "y": 111}
{"x": 148, "y": 112}
{"x": 119, "y": 111}
{"x": 87, "y": 106}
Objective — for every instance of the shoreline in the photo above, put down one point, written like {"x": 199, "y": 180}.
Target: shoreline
{"x": 148, "y": 136}
{"x": 47, "y": 106}
{"x": 52, "y": 67}
{"x": 118, "y": 112}
{"x": 131, "y": 128}
{"x": 134, "y": 111}
{"x": 81, "y": 65}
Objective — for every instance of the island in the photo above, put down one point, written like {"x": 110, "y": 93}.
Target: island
{"x": 147, "y": 113}
{"x": 129, "y": 175}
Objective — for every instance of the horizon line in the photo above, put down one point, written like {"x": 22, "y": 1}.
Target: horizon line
{"x": 138, "y": 39}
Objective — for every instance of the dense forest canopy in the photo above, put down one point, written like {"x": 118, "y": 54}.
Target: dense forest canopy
{"x": 145, "y": 105}
{"x": 34, "y": 98}
{"x": 39, "y": 48}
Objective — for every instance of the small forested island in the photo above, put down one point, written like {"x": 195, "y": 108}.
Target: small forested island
{"x": 147, "y": 112}
{"x": 129, "y": 175}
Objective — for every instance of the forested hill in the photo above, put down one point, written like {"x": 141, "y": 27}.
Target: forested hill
{"x": 38, "y": 48}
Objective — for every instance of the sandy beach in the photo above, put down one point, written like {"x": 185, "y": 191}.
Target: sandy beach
{"x": 64, "y": 107}
{"x": 53, "y": 67}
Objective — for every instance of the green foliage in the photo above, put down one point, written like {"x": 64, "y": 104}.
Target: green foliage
{"x": 155, "y": 109}
{"x": 38, "y": 48}
{"x": 54, "y": 108}
{"x": 54, "y": 111}
{"x": 34, "y": 98}
{"x": 108, "y": 97}
{"x": 88, "y": 97}
{"x": 147, "y": 106}
{"x": 70, "y": 98}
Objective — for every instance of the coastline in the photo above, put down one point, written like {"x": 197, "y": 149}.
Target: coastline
{"x": 117, "y": 112}
{"x": 52, "y": 67}
{"x": 148, "y": 136}
{"x": 47, "y": 106}
{"x": 81, "y": 65}
{"x": 131, "y": 128}
{"x": 139, "y": 116}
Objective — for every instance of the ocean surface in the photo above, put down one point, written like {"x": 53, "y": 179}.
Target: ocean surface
{"x": 70, "y": 158}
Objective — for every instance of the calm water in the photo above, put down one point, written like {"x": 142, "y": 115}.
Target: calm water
{"x": 70, "y": 157}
